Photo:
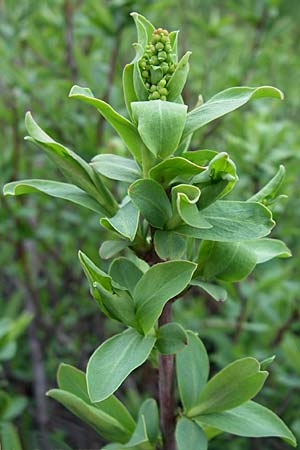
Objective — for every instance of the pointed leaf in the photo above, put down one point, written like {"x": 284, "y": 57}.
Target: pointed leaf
{"x": 178, "y": 79}
{"x": 126, "y": 130}
{"x": 218, "y": 293}
{"x": 189, "y": 435}
{"x": 125, "y": 273}
{"x": 116, "y": 167}
{"x": 227, "y": 261}
{"x": 9, "y": 437}
{"x": 225, "y": 102}
{"x": 128, "y": 87}
{"x": 160, "y": 125}
{"x": 73, "y": 380}
{"x": 192, "y": 367}
{"x": 169, "y": 279}
{"x": 249, "y": 420}
{"x": 187, "y": 197}
{"x": 235, "y": 384}
{"x": 174, "y": 167}
{"x": 232, "y": 221}
{"x": 54, "y": 189}
{"x": 74, "y": 168}
{"x": 169, "y": 245}
{"x": 124, "y": 222}
{"x": 267, "y": 249}
{"x": 111, "y": 248}
{"x": 270, "y": 190}
{"x": 106, "y": 425}
{"x": 171, "y": 338}
{"x": 152, "y": 201}
{"x": 105, "y": 374}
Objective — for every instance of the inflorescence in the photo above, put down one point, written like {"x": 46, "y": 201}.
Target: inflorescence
{"x": 157, "y": 65}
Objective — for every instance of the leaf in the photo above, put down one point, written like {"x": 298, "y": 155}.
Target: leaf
{"x": 235, "y": 384}
{"x": 267, "y": 249}
{"x": 159, "y": 284}
{"x": 269, "y": 191}
{"x": 14, "y": 408}
{"x": 171, "y": 338}
{"x": 147, "y": 428}
{"x": 227, "y": 261}
{"x": 128, "y": 87}
{"x": 93, "y": 273}
{"x": 9, "y": 437}
{"x": 124, "y": 222}
{"x": 249, "y": 420}
{"x": 186, "y": 197}
{"x": 125, "y": 273}
{"x": 73, "y": 380}
{"x": 74, "y": 168}
{"x": 232, "y": 221}
{"x": 223, "y": 103}
{"x": 126, "y": 130}
{"x": 116, "y": 167}
{"x": 192, "y": 368}
{"x": 110, "y": 248}
{"x": 179, "y": 77}
{"x": 160, "y": 125}
{"x": 152, "y": 201}
{"x": 218, "y": 293}
{"x": 189, "y": 435}
{"x": 165, "y": 171}
{"x": 267, "y": 362}
{"x": 144, "y": 28}
{"x": 55, "y": 189}
{"x": 169, "y": 245}
{"x": 139, "y": 437}
{"x": 103, "y": 423}
{"x": 106, "y": 373}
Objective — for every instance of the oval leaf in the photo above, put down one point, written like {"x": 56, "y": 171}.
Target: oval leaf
{"x": 104, "y": 373}
{"x": 190, "y": 436}
{"x": 171, "y": 338}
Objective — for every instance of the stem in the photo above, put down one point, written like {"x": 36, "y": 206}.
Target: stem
{"x": 165, "y": 385}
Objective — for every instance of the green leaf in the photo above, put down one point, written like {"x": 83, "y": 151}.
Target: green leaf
{"x": 74, "y": 168}
{"x": 116, "y": 167}
{"x": 267, "y": 249}
{"x": 169, "y": 279}
{"x": 124, "y": 222}
{"x": 106, "y": 425}
{"x": 178, "y": 79}
{"x": 160, "y": 125}
{"x": 93, "y": 273}
{"x": 9, "y": 437}
{"x": 192, "y": 368}
{"x": 128, "y": 86}
{"x": 249, "y": 420}
{"x": 218, "y": 293}
{"x": 189, "y": 435}
{"x": 227, "y": 261}
{"x": 186, "y": 197}
{"x": 223, "y": 103}
{"x": 152, "y": 201}
{"x": 169, "y": 245}
{"x": 139, "y": 437}
{"x": 125, "y": 273}
{"x": 114, "y": 360}
{"x": 267, "y": 362}
{"x": 171, "y": 338}
{"x": 269, "y": 191}
{"x": 147, "y": 428}
{"x": 73, "y": 380}
{"x": 110, "y": 248}
{"x": 232, "y": 221}
{"x": 174, "y": 167}
{"x": 144, "y": 28}
{"x": 126, "y": 130}
{"x": 235, "y": 384}
{"x": 54, "y": 189}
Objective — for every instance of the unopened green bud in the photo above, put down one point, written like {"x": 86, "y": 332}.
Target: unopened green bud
{"x": 159, "y": 46}
{"x": 162, "y": 83}
{"x": 154, "y": 60}
{"x": 145, "y": 74}
{"x": 153, "y": 88}
{"x": 163, "y": 91}
{"x": 164, "y": 67}
{"x": 154, "y": 96}
{"x": 162, "y": 56}
{"x": 163, "y": 98}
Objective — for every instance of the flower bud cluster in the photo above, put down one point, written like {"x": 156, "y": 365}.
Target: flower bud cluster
{"x": 157, "y": 65}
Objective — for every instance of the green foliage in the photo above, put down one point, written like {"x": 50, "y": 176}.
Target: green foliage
{"x": 167, "y": 203}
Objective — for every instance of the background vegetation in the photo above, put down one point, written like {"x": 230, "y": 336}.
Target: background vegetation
{"x": 46, "y": 313}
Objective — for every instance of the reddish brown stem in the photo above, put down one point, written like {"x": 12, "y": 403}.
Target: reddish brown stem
{"x": 165, "y": 384}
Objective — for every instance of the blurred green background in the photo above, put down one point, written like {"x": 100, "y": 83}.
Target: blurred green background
{"x": 46, "y": 313}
